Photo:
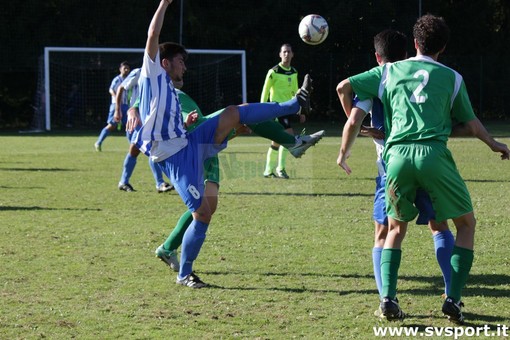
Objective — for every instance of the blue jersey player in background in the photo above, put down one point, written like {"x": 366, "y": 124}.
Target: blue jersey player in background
{"x": 111, "y": 121}
{"x": 130, "y": 85}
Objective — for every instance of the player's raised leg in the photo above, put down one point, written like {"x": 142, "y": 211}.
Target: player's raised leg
{"x": 259, "y": 112}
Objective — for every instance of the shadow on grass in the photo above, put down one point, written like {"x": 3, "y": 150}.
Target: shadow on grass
{"x": 18, "y": 188}
{"x": 34, "y": 208}
{"x": 478, "y": 284}
{"x": 474, "y": 279}
{"x": 298, "y": 290}
{"x": 473, "y": 289}
{"x": 485, "y": 181}
{"x": 36, "y": 169}
{"x": 237, "y": 193}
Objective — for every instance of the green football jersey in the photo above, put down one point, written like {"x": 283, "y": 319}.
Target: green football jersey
{"x": 420, "y": 97}
{"x": 188, "y": 105}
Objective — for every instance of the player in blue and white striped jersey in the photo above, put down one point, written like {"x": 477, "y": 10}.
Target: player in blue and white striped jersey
{"x": 130, "y": 85}
{"x": 182, "y": 155}
{"x": 111, "y": 121}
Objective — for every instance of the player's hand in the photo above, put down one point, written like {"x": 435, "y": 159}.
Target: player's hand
{"x": 133, "y": 119}
{"x": 501, "y": 148}
{"x": 168, "y": 1}
{"x": 369, "y": 131}
{"x": 117, "y": 116}
{"x": 342, "y": 162}
{"x": 192, "y": 118}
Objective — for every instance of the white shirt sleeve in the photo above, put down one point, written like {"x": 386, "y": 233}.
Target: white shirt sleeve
{"x": 365, "y": 105}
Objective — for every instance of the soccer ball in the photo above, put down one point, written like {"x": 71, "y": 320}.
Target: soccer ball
{"x": 313, "y": 29}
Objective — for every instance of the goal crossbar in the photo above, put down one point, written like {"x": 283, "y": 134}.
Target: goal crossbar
{"x": 47, "y": 75}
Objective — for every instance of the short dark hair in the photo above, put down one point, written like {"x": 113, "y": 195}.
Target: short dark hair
{"x": 391, "y": 45}
{"x": 286, "y": 45}
{"x": 169, "y": 50}
{"x": 431, "y": 34}
{"x": 124, "y": 63}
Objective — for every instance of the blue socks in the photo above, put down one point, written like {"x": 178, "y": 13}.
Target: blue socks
{"x": 156, "y": 172}
{"x": 102, "y": 136}
{"x": 443, "y": 243}
{"x": 129, "y": 167}
{"x": 261, "y": 112}
{"x": 192, "y": 241}
{"x": 376, "y": 260}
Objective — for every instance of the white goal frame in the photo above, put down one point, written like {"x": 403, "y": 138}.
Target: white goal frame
{"x": 47, "y": 75}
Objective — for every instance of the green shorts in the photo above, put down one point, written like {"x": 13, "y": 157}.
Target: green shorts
{"x": 212, "y": 170}
{"x": 430, "y": 166}
{"x": 211, "y": 165}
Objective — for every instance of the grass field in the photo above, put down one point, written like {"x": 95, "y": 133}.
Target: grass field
{"x": 287, "y": 259}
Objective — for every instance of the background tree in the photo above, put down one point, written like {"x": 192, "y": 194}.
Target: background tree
{"x": 478, "y": 49}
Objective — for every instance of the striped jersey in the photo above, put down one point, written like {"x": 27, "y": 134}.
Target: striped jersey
{"x": 114, "y": 86}
{"x": 374, "y": 106}
{"x": 130, "y": 84}
{"x": 420, "y": 97}
{"x": 281, "y": 84}
{"x": 162, "y": 133}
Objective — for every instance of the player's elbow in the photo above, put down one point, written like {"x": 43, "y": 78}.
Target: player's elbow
{"x": 153, "y": 34}
{"x": 344, "y": 87}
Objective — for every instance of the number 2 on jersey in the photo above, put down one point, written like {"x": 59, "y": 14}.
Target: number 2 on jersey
{"x": 416, "y": 97}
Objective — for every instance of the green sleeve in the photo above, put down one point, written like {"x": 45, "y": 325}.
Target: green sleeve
{"x": 188, "y": 105}
{"x": 366, "y": 84}
{"x": 462, "y": 111}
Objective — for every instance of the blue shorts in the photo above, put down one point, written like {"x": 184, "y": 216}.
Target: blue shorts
{"x": 186, "y": 168}
{"x": 422, "y": 202}
{"x": 124, "y": 109}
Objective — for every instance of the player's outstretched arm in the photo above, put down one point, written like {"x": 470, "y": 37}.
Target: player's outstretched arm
{"x": 344, "y": 91}
{"x": 476, "y": 129}
{"x": 152, "y": 45}
{"x": 350, "y": 132}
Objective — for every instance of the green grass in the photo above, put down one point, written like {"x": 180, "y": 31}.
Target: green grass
{"x": 288, "y": 259}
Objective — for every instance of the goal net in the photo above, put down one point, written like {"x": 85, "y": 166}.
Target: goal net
{"x": 77, "y": 80}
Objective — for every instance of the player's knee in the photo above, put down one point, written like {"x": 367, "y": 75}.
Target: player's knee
{"x": 133, "y": 150}
{"x": 231, "y": 112}
{"x": 381, "y": 232}
{"x": 203, "y": 214}
{"x": 204, "y": 218}
{"x": 437, "y": 227}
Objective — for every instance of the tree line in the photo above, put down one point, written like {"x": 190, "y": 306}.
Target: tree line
{"x": 478, "y": 46}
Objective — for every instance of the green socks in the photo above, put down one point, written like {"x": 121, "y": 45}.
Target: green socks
{"x": 461, "y": 262}
{"x": 274, "y": 131}
{"x": 174, "y": 241}
{"x": 390, "y": 263}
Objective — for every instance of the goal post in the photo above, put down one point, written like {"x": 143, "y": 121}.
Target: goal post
{"x": 76, "y": 82}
